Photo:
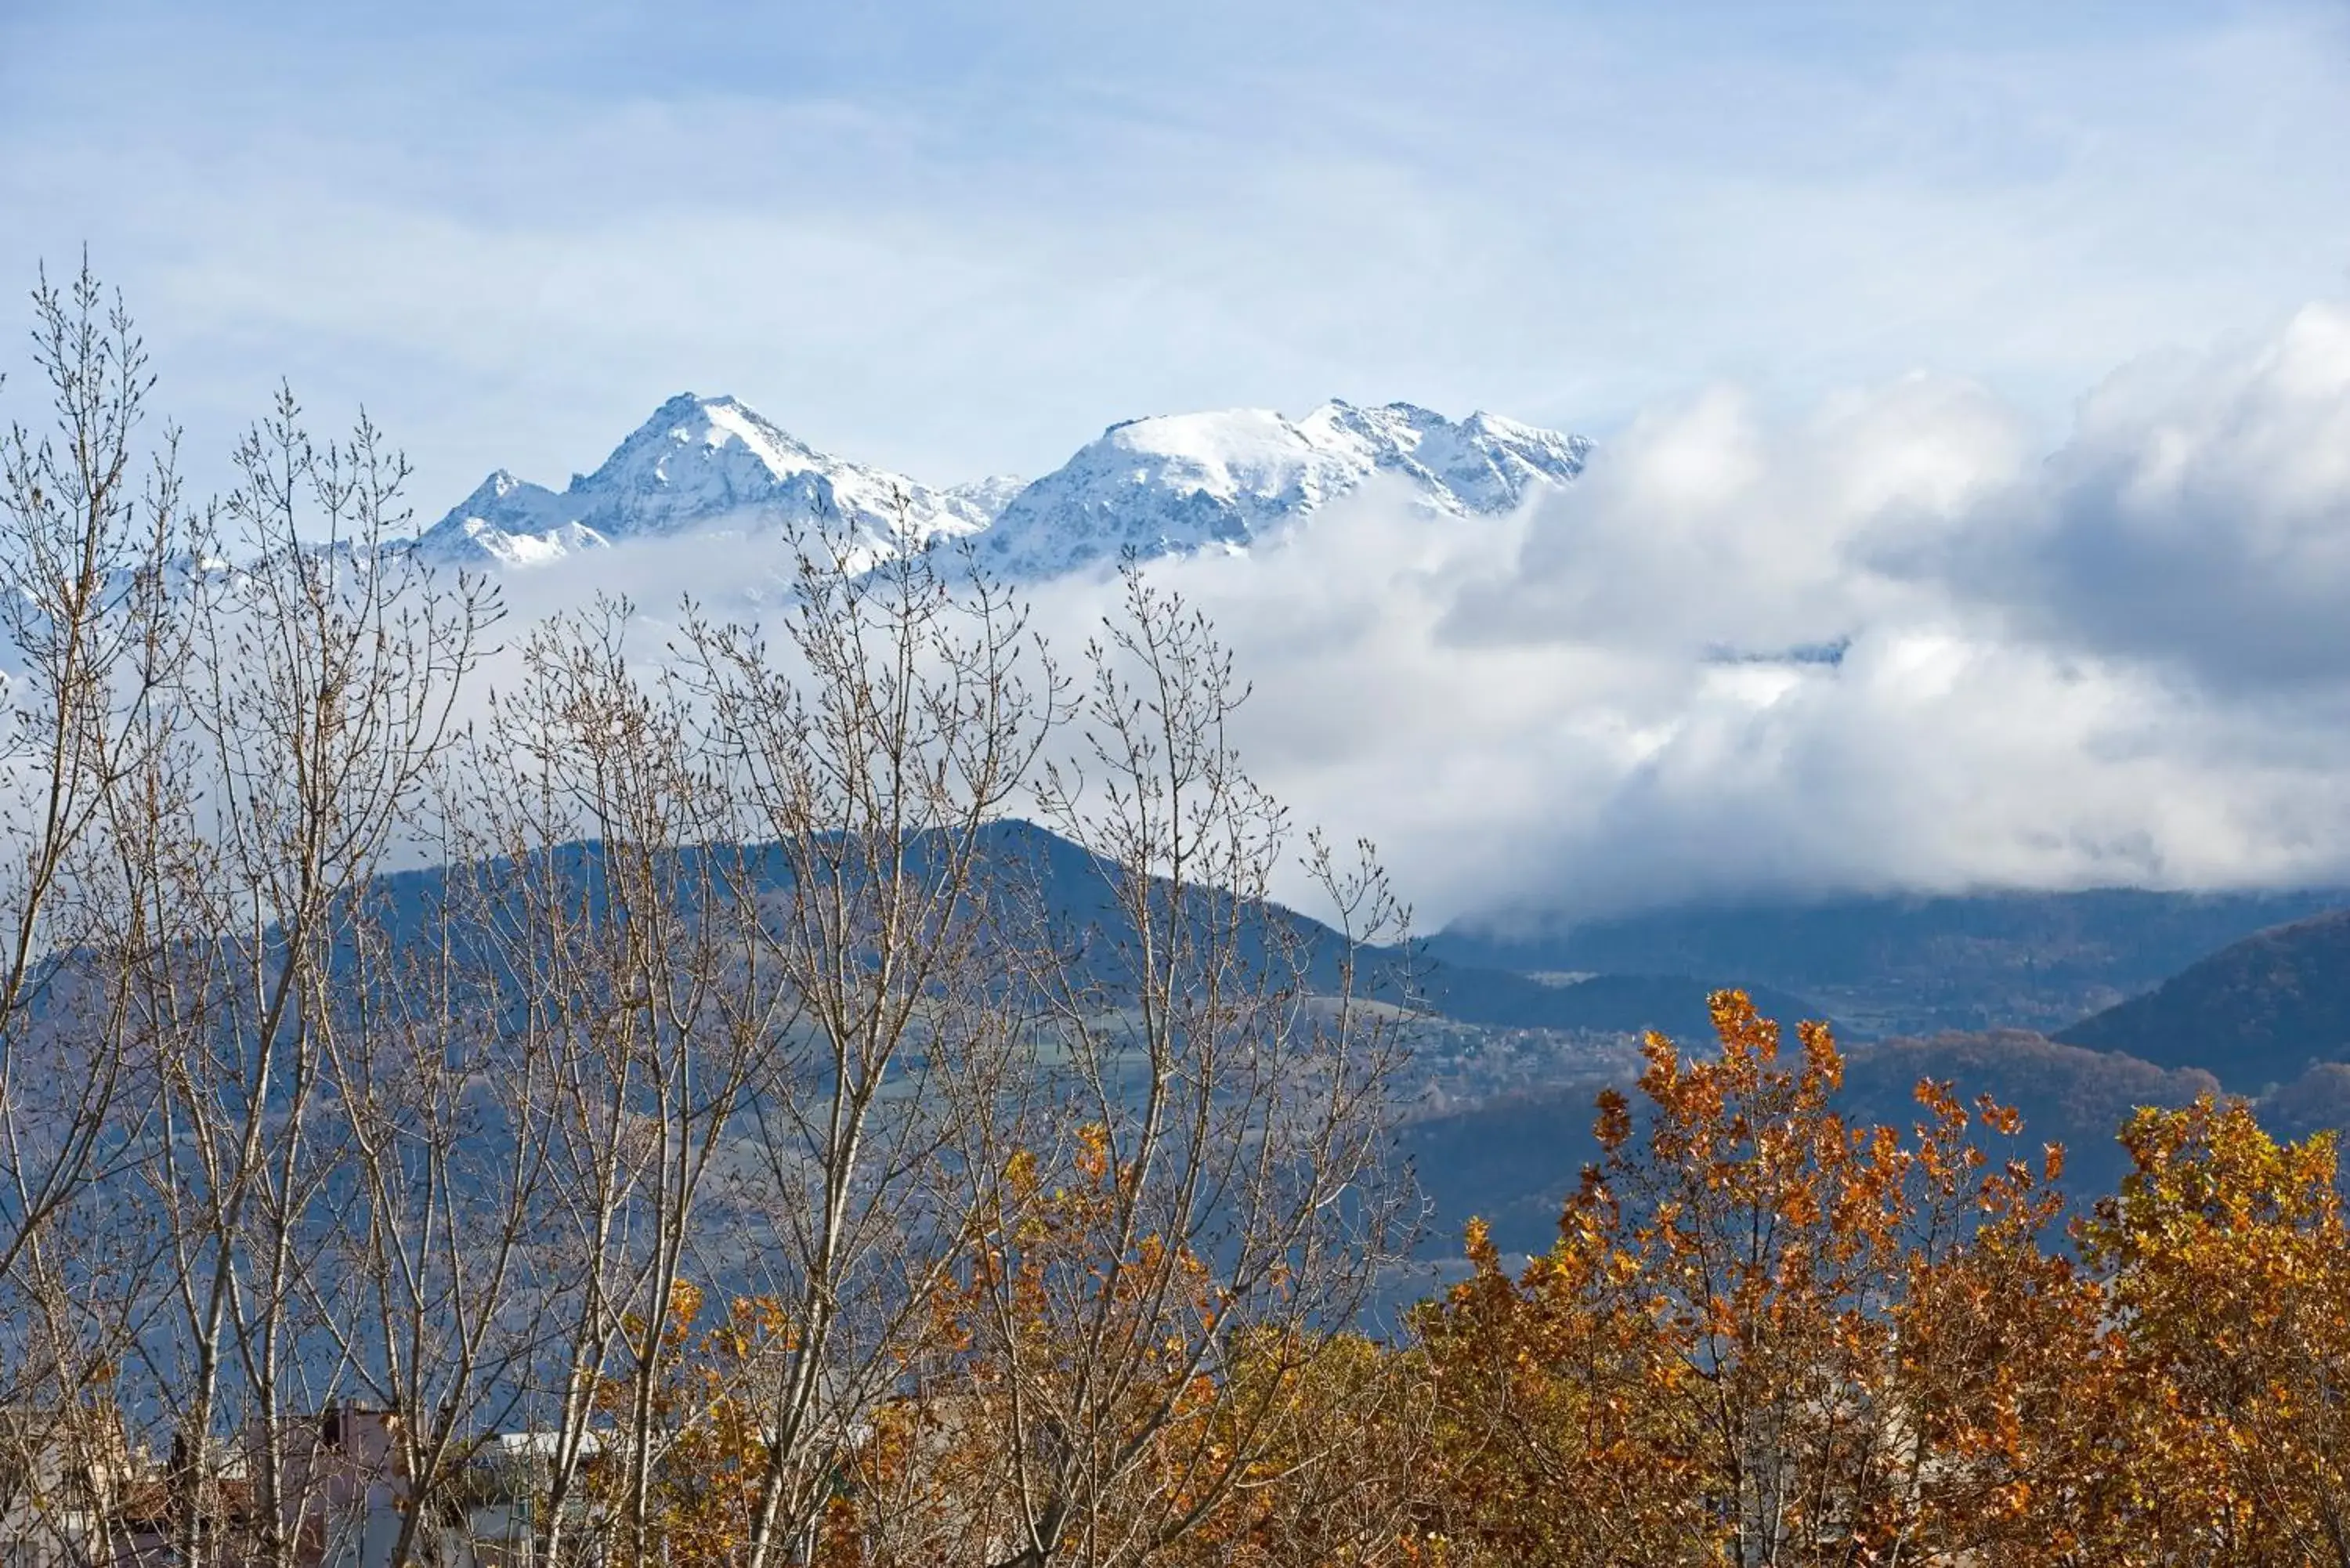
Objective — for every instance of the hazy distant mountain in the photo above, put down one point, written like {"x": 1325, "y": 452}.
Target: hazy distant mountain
{"x": 1905, "y": 964}
{"x": 1075, "y": 893}
{"x": 2258, "y": 1013}
{"x": 1172, "y": 484}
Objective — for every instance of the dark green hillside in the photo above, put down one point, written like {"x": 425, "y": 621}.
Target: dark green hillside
{"x": 2317, "y": 1101}
{"x": 2257, "y": 1013}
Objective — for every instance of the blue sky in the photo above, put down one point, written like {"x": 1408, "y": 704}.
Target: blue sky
{"x": 961, "y": 238}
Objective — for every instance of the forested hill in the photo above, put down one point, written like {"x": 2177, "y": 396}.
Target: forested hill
{"x": 2258, "y": 1013}
{"x": 1075, "y": 896}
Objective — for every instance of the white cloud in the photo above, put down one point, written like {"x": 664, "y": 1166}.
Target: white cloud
{"x": 2124, "y": 662}
{"x": 2199, "y": 519}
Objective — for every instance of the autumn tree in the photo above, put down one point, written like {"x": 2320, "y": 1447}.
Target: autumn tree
{"x": 1337, "y": 1476}
{"x": 1195, "y": 1161}
{"x": 1766, "y": 1336}
{"x": 1552, "y": 1442}
{"x": 877, "y": 733}
{"x": 706, "y": 1477}
{"x": 2230, "y": 1276}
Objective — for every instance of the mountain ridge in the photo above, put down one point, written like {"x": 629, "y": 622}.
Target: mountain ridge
{"x": 699, "y": 465}
{"x": 1157, "y": 486}
{"x": 1226, "y": 479}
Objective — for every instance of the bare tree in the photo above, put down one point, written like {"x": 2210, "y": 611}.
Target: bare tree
{"x": 326, "y": 667}
{"x": 449, "y": 1118}
{"x": 877, "y": 746}
{"x": 91, "y": 647}
{"x": 639, "y": 997}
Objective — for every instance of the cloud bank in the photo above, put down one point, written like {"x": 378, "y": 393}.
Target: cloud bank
{"x": 1889, "y": 644}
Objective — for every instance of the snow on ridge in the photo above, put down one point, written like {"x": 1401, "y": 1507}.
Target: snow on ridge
{"x": 1171, "y": 484}
{"x": 703, "y": 465}
{"x": 988, "y": 497}
{"x": 1180, "y": 482}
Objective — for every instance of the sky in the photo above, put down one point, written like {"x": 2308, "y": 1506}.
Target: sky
{"x": 958, "y": 239}
{"x": 2005, "y": 346}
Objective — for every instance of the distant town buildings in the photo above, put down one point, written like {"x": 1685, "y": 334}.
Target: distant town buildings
{"x": 76, "y": 1493}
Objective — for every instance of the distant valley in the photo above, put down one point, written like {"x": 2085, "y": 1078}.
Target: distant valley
{"x": 1515, "y": 1036}
{"x": 2171, "y": 996}
{"x": 1908, "y": 964}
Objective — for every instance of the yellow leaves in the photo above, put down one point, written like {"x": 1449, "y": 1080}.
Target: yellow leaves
{"x": 1477, "y": 1244}
{"x": 1615, "y": 1124}
{"x": 2226, "y": 1256}
{"x": 703, "y": 1380}
{"x": 1821, "y": 1059}
{"x": 1093, "y": 1151}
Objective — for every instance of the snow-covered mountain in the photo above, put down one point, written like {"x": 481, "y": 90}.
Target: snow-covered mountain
{"x": 1167, "y": 485}
{"x": 703, "y": 465}
{"x": 1181, "y": 483}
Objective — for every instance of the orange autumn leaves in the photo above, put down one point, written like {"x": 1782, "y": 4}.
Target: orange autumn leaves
{"x": 706, "y": 1475}
{"x": 1767, "y": 1336}
{"x": 1764, "y": 1336}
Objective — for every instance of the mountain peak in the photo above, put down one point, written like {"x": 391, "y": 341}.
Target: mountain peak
{"x": 1173, "y": 484}
{"x": 500, "y": 484}
{"x": 688, "y": 421}
{"x": 705, "y": 464}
